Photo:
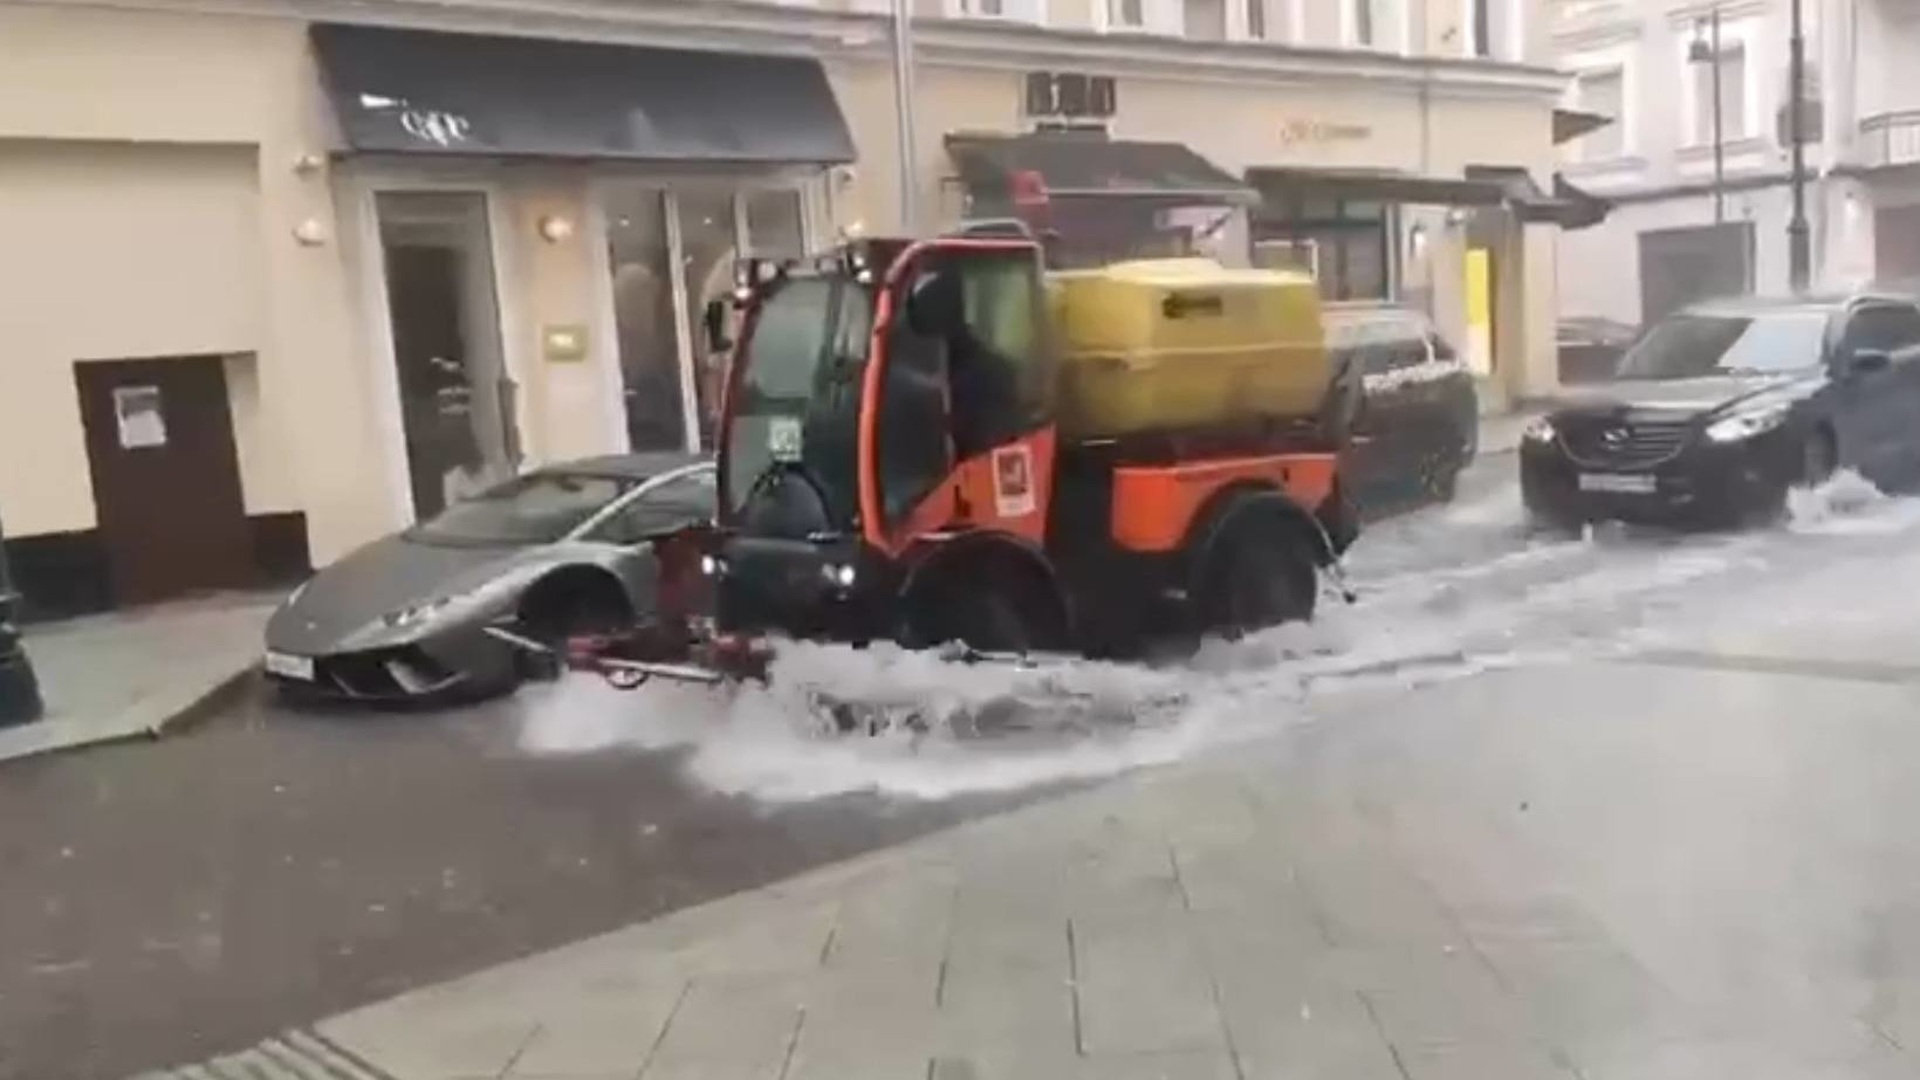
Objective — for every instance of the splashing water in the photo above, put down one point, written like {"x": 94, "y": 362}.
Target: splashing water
{"x": 1444, "y": 594}
{"x": 1849, "y": 504}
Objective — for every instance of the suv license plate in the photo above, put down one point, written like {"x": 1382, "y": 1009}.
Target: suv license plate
{"x": 1617, "y": 483}
{"x": 288, "y": 666}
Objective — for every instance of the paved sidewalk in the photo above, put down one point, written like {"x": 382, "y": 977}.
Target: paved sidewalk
{"x": 125, "y": 674}
{"x": 1627, "y": 886}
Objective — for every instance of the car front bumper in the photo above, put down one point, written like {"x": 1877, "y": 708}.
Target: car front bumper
{"x": 447, "y": 665}
{"x": 1704, "y": 485}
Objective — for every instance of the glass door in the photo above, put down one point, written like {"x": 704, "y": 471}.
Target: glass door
{"x": 456, "y": 398}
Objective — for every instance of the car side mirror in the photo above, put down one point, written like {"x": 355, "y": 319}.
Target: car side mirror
{"x": 715, "y": 320}
{"x": 935, "y": 307}
{"x": 1869, "y": 361}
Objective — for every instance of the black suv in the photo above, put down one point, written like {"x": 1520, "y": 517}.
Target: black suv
{"x": 1720, "y": 408}
{"x": 1418, "y": 419}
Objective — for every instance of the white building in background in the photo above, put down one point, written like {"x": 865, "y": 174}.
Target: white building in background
{"x": 1648, "y": 63}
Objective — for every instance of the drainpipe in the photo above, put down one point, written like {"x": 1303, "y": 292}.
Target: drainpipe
{"x": 1798, "y": 255}
{"x": 903, "y": 112}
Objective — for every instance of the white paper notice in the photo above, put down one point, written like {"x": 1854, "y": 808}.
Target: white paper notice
{"x": 142, "y": 424}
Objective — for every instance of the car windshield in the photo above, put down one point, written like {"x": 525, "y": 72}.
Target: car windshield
{"x": 1692, "y": 345}
{"x": 538, "y": 508}
{"x": 798, "y": 390}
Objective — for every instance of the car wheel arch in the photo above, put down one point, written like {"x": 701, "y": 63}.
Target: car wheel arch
{"x": 562, "y": 590}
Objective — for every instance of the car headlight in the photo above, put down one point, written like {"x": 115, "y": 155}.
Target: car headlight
{"x": 1747, "y": 423}
{"x": 1540, "y": 431}
{"x": 415, "y": 614}
{"x": 294, "y": 596}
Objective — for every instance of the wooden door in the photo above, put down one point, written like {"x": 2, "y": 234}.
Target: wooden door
{"x": 166, "y": 478}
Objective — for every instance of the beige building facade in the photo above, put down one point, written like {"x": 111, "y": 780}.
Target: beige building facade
{"x": 245, "y": 327}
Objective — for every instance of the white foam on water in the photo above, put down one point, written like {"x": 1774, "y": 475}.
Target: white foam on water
{"x": 1849, "y": 505}
{"x": 1444, "y": 594}
{"x": 579, "y": 714}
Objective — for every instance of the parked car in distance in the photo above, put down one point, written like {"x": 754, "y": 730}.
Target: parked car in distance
{"x": 1418, "y": 421}
{"x": 1590, "y": 348}
{"x": 563, "y": 550}
{"x": 1721, "y": 407}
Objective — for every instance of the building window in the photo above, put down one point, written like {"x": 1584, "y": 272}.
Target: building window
{"x": 1374, "y": 24}
{"x": 1257, "y": 19}
{"x": 1493, "y": 29}
{"x": 1126, "y": 14}
{"x": 1604, "y": 93}
{"x": 1033, "y": 11}
{"x": 1480, "y": 28}
{"x": 1733, "y": 94}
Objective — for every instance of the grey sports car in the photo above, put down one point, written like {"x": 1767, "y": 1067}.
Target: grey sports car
{"x": 563, "y": 550}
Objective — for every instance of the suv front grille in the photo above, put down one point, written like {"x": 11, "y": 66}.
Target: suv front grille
{"x": 1623, "y": 444}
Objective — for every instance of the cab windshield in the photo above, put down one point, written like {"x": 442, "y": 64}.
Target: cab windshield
{"x": 798, "y": 395}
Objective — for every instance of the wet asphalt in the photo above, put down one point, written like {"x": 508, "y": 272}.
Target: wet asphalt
{"x": 161, "y": 902}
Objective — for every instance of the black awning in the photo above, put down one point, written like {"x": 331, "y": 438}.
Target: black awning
{"x": 1567, "y": 206}
{"x": 1570, "y": 124}
{"x": 426, "y": 92}
{"x": 1376, "y": 185}
{"x": 1047, "y": 165}
{"x": 1584, "y": 209}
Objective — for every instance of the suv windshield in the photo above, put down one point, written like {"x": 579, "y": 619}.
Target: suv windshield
{"x": 799, "y": 391}
{"x": 539, "y": 508}
{"x": 1692, "y": 345}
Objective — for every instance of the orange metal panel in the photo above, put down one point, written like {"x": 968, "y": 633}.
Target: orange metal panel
{"x": 1154, "y": 506}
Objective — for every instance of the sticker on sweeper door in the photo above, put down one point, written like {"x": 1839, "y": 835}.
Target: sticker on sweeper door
{"x": 1013, "y": 481}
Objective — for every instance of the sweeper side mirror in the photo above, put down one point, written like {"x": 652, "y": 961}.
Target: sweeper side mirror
{"x": 935, "y": 305}
{"x": 714, "y": 318}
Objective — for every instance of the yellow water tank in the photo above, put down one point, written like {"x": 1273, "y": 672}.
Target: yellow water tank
{"x": 1169, "y": 344}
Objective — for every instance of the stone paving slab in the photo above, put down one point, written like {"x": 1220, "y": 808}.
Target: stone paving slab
{"x": 1466, "y": 888}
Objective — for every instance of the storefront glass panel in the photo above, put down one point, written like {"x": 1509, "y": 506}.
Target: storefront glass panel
{"x": 1347, "y": 245}
{"x": 709, "y": 248}
{"x": 641, "y": 261}
{"x": 698, "y": 230}
{"x": 773, "y": 222}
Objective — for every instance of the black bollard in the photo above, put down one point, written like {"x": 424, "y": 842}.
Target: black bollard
{"x": 19, "y": 690}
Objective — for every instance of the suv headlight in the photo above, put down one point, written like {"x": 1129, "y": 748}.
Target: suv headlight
{"x": 1540, "y": 431}
{"x": 1747, "y": 423}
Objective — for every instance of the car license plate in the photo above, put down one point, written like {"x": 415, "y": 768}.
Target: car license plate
{"x": 1617, "y": 483}
{"x": 288, "y": 666}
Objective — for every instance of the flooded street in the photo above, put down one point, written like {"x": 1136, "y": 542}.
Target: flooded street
{"x": 171, "y": 901}
{"x": 1443, "y": 593}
